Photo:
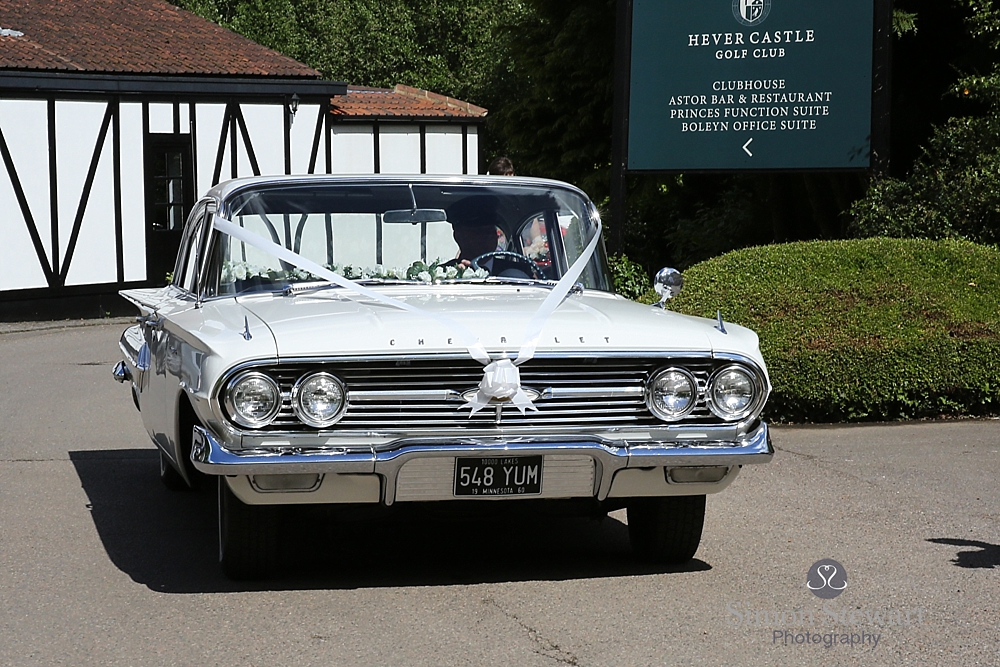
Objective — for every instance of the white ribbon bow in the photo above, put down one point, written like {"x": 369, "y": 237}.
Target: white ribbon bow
{"x": 501, "y": 378}
{"x": 501, "y": 381}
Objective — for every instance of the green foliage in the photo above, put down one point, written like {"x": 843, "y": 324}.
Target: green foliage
{"x": 559, "y": 123}
{"x": 631, "y": 279}
{"x": 903, "y": 22}
{"x": 453, "y": 47}
{"x": 953, "y": 191}
{"x": 869, "y": 329}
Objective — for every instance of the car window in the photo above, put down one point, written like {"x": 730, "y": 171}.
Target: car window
{"x": 365, "y": 232}
{"x": 187, "y": 275}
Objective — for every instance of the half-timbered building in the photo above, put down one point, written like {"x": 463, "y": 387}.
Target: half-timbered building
{"x": 115, "y": 115}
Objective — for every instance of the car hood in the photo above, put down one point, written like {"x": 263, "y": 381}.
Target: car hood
{"x": 328, "y": 323}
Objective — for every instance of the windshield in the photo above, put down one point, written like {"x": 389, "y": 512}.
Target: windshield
{"x": 412, "y": 233}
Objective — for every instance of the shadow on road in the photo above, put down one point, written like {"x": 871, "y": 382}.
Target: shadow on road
{"x": 167, "y": 540}
{"x": 986, "y": 555}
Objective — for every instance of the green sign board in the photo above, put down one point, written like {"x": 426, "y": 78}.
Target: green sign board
{"x": 750, "y": 84}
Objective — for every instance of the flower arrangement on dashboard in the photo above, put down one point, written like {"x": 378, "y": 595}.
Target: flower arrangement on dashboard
{"x": 418, "y": 271}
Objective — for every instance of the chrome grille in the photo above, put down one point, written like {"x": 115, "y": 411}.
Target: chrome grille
{"x": 437, "y": 385}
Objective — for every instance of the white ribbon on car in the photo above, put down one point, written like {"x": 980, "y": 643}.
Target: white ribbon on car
{"x": 501, "y": 378}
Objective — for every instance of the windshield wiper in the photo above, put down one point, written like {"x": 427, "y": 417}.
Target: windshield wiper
{"x": 533, "y": 282}
{"x": 301, "y": 288}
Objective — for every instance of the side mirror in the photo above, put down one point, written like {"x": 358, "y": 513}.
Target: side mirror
{"x": 667, "y": 283}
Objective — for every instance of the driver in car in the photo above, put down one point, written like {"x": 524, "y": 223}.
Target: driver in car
{"x": 478, "y": 231}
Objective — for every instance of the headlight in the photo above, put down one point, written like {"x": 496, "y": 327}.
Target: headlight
{"x": 732, "y": 393}
{"x": 318, "y": 399}
{"x": 253, "y": 399}
{"x": 671, "y": 393}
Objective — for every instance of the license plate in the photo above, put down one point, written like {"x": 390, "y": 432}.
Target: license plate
{"x": 500, "y": 476}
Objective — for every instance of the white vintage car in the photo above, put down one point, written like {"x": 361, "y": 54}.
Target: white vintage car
{"x": 417, "y": 339}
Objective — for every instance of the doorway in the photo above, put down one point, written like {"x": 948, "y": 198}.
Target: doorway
{"x": 169, "y": 199}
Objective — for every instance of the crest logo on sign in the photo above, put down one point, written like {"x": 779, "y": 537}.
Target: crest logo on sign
{"x": 751, "y": 12}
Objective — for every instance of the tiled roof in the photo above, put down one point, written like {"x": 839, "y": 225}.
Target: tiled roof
{"x": 133, "y": 37}
{"x": 401, "y": 102}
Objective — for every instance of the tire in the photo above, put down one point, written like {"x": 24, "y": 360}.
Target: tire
{"x": 169, "y": 475}
{"x": 248, "y": 540}
{"x": 666, "y": 530}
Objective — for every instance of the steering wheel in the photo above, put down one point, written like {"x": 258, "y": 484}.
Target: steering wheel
{"x": 513, "y": 257}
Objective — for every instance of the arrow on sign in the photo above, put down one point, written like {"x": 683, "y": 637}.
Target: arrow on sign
{"x": 747, "y": 149}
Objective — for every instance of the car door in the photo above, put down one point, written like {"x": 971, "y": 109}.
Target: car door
{"x": 161, "y": 357}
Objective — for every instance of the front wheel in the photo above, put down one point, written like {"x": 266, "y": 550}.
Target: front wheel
{"x": 248, "y": 541}
{"x": 666, "y": 530}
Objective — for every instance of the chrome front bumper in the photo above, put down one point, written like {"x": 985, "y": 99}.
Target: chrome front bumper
{"x": 210, "y": 457}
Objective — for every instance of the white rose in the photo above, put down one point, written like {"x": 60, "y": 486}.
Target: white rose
{"x": 481, "y": 273}
{"x": 424, "y": 277}
{"x": 439, "y": 273}
{"x": 451, "y": 272}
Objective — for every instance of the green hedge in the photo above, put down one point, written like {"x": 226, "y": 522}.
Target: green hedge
{"x": 871, "y": 329}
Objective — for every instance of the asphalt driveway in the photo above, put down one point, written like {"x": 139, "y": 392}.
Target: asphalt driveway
{"x": 99, "y": 564}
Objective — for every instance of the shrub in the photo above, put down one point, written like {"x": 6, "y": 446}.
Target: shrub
{"x": 869, "y": 329}
{"x": 631, "y": 280}
{"x": 953, "y": 192}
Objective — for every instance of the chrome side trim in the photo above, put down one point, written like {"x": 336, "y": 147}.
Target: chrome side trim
{"x": 403, "y": 395}
{"x": 749, "y": 449}
{"x": 211, "y": 458}
{"x": 592, "y": 392}
{"x": 542, "y": 354}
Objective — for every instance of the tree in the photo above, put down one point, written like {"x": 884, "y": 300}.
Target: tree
{"x": 953, "y": 189}
{"x": 453, "y": 47}
{"x": 558, "y": 124}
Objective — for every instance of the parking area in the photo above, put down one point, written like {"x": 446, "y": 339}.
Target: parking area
{"x": 99, "y": 564}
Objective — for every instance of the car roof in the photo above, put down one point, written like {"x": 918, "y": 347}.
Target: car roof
{"x": 227, "y": 189}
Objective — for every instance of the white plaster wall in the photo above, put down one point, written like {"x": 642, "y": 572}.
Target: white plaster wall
{"x": 77, "y": 126}
{"x": 472, "y": 142}
{"x": 161, "y": 118}
{"x": 400, "y": 244}
{"x": 133, "y": 191}
{"x": 314, "y": 240}
{"x": 95, "y": 260}
{"x": 24, "y": 125}
{"x": 352, "y": 149}
{"x": 444, "y": 149}
{"x": 208, "y": 119}
{"x": 25, "y": 128}
{"x": 185, "y": 114}
{"x": 303, "y": 130}
{"x": 265, "y": 125}
{"x": 399, "y": 149}
{"x": 354, "y": 239}
{"x": 440, "y": 242}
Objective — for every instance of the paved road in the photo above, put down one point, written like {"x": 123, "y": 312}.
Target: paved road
{"x": 100, "y": 565}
